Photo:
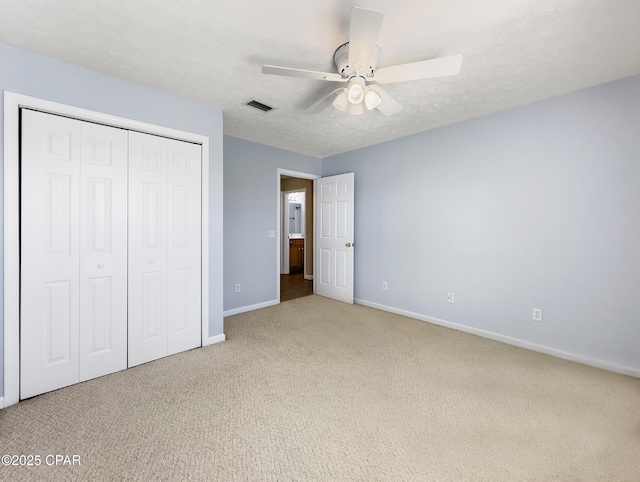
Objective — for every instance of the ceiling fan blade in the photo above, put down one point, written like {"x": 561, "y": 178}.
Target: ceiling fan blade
{"x": 363, "y": 36}
{"x": 425, "y": 69}
{"x": 387, "y": 106}
{"x": 323, "y": 103}
{"x": 305, "y": 74}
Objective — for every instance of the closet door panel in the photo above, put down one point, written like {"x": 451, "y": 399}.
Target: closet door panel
{"x": 184, "y": 246}
{"x": 111, "y": 250}
{"x": 103, "y": 250}
{"x": 148, "y": 214}
{"x": 49, "y": 282}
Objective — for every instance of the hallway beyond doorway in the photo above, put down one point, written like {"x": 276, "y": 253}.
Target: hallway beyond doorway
{"x": 294, "y": 286}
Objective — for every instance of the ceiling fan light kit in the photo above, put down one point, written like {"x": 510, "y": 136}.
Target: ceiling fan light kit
{"x": 356, "y": 91}
{"x": 371, "y": 99}
{"x": 357, "y": 61}
{"x": 341, "y": 100}
{"x": 356, "y": 109}
{"x": 355, "y": 94}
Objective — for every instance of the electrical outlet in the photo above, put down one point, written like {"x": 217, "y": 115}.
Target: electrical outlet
{"x": 238, "y": 288}
{"x": 450, "y": 298}
{"x": 384, "y": 285}
{"x": 537, "y": 314}
{"x": 272, "y": 233}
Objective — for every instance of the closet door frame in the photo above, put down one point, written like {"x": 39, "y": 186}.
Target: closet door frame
{"x": 12, "y": 104}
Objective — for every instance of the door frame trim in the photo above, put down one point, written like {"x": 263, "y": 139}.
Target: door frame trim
{"x": 12, "y": 104}
{"x": 301, "y": 175}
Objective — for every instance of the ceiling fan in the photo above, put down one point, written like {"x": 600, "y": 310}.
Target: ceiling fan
{"x": 357, "y": 60}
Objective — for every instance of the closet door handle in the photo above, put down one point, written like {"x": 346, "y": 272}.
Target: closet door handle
{"x": 151, "y": 261}
{"x": 100, "y": 265}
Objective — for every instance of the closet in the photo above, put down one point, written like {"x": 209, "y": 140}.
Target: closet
{"x": 110, "y": 237}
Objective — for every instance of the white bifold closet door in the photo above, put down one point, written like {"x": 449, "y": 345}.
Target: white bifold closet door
{"x": 164, "y": 247}
{"x": 73, "y": 281}
{"x": 110, "y": 250}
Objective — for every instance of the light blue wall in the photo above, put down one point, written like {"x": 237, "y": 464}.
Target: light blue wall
{"x": 38, "y": 76}
{"x": 250, "y": 211}
{"x": 534, "y": 207}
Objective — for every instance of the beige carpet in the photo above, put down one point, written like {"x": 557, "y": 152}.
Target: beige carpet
{"x": 319, "y": 390}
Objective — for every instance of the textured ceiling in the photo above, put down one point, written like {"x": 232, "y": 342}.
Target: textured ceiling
{"x": 515, "y": 52}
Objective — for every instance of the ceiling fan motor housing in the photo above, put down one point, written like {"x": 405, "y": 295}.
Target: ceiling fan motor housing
{"x": 341, "y": 59}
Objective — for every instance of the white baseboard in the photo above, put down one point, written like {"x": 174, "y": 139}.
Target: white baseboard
{"x": 1, "y": 402}
{"x": 605, "y": 365}
{"x": 213, "y": 339}
{"x": 308, "y": 276}
{"x": 244, "y": 309}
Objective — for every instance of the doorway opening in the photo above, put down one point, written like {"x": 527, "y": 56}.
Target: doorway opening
{"x": 296, "y": 233}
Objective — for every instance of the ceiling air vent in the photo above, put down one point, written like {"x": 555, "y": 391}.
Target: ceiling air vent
{"x": 258, "y": 105}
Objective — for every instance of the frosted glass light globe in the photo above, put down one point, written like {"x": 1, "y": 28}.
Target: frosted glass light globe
{"x": 356, "y": 93}
{"x": 371, "y": 99}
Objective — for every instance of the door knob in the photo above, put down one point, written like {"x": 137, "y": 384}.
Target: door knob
{"x": 151, "y": 261}
{"x": 100, "y": 265}
{"x": 348, "y": 245}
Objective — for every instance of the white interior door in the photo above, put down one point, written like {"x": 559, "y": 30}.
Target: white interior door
{"x": 50, "y": 265}
{"x": 103, "y": 250}
{"x": 148, "y": 215}
{"x": 73, "y": 253}
{"x": 184, "y": 246}
{"x": 334, "y": 240}
{"x": 165, "y": 247}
